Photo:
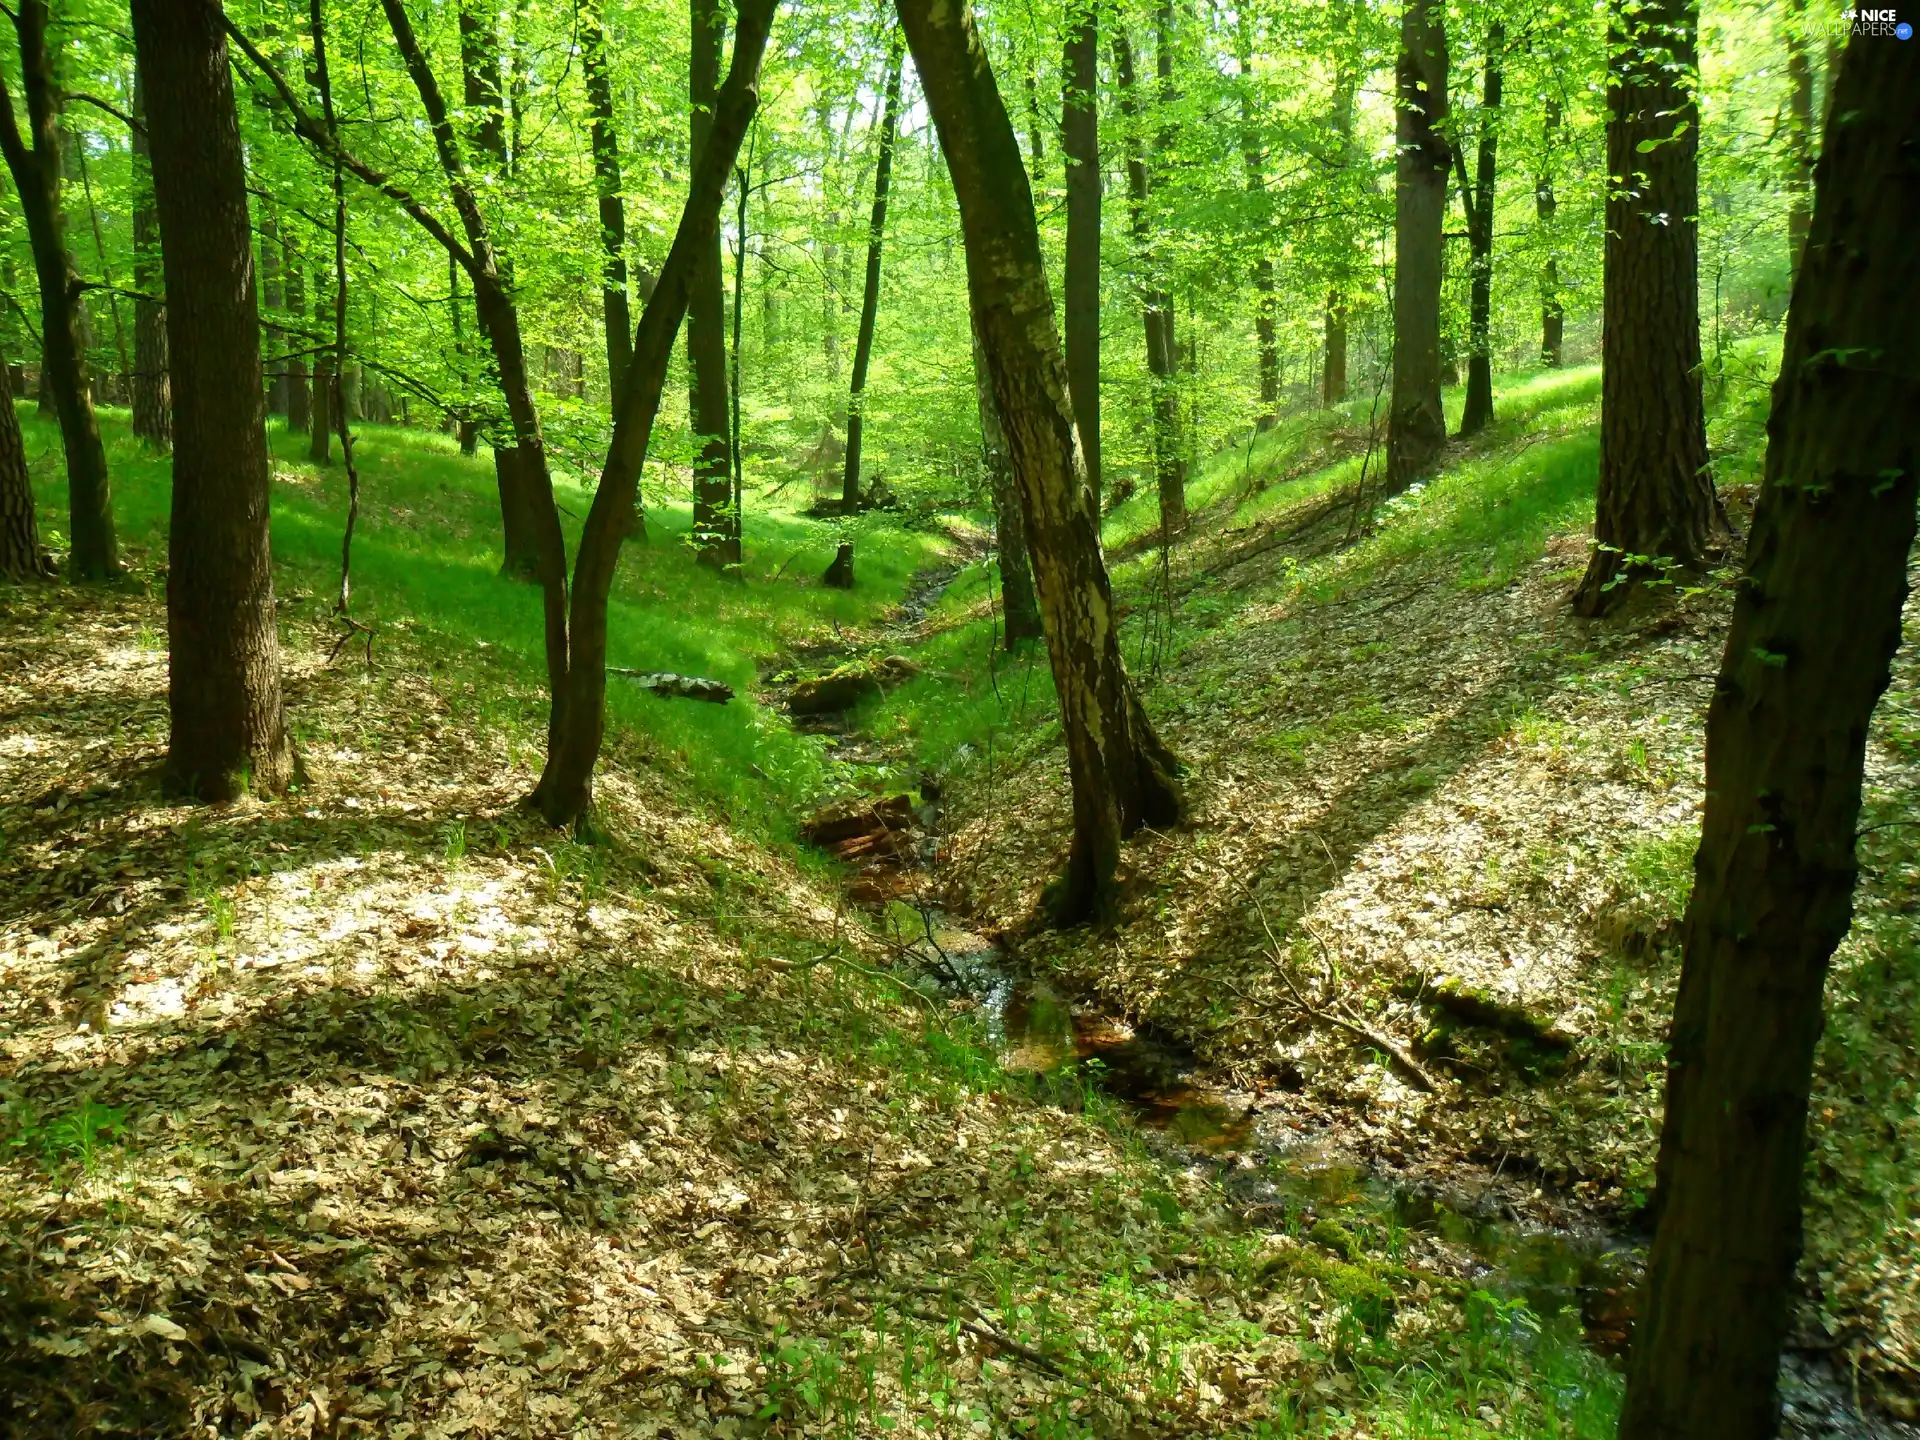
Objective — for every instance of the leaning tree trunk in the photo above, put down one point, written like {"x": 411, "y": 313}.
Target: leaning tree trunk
{"x": 1816, "y": 622}
{"x": 152, "y": 405}
{"x": 1799, "y": 132}
{"x": 1553, "y": 315}
{"x": 1416, "y": 425}
{"x": 95, "y": 553}
{"x": 565, "y": 792}
{"x": 1655, "y": 509}
{"x": 870, "y": 295}
{"x": 1080, "y": 301}
{"x": 1253, "y": 156}
{"x": 605, "y": 140}
{"x": 21, "y": 557}
{"x": 715, "y": 542}
{"x": 1478, "y": 413}
{"x": 1156, "y": 305}
{"x": 228, "y": 732}
{"x": 1019, "y": 605}
{"x": 1122, "y": 773}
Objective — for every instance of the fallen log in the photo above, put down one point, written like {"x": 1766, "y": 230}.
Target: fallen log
{"x": 667, "y": 684}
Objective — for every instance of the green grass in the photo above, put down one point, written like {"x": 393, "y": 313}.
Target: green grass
{"x": 426, "y": 562}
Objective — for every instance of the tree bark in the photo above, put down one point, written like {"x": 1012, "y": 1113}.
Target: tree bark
{"x": 1799, "y": 133}
{"x": 21, "y": 557}
{"x": 714, "y": 541}
{"x": 565, "y": 792}
{"x": 1552, "y": 313}
{"x": 1416, "y": 425}
{"x": 1478, "y": 412}
{"x": 1080, "y": 144}
{"x": 605, "y": 139}
{"x": 1156, "y": 305}
{"x": 870, "y": 296}
{"x": 1122, "y": 773}
{"x": 63, "y": 373}
{"x": 1019, "y": 605}
{"x": 228, "y": 731}
{"x": 1816, "y": 623}
{"x": 1253, "y": 154}
{"x": 1333, "y": 360}
{"x": 152, "y": 404}
{"x": 1656, "y": 507}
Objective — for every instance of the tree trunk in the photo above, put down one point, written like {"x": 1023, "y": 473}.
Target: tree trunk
{"x": 152, "y": 404}
{"x": 520, "y": 549}
{"x": 1333, "y": 360}
{"x": 1656, "y": 509}
{"x": 63, "y": 373}
{"x": 1478, "y": 413}
{"x": 1080, "y": 144}
{"x": 565, "y": 792}
{"x": 1253, "y": 155}
{"x": 1816, "y": 623}
{"x": 273, "y": 299}
{"x": 1416, "y": 425}
{"x": 1552, "y": 315}
{"x": 870, "y": 296}
{"x": 21, "y": 557}
{"x": 713, "y": 538}
{"x": 320, "y": 399}
{"x": 228, "y": 727}
{"x": 1333, "y": 364}
{"x": 1799, "y": 133}
{"x": 1155, "y": 304}
{"x": 1122, "y": 773}
{"x": 1020, "y": 606}
{"x": 299, "y": 407}
{"x": 605, "y": 139}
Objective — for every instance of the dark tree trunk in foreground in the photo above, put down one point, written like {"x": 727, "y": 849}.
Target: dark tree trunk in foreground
{"x": 152, "y": 403}
{"x": 229, "y": 731}
{"x": 565, "y": 792}
{"x": 716, "y": 541}
{"x": 1815, "y": 626}
{"x": 1799, "y": 133}
{"x": 1156, "y": 305}
{"x": 63, "y": 371}
{"x": 1552, "y": 315}
{"x": 606, "y": 183}
{"x": 1253, "y": 155}
{"x": 1656, "y": 507}
{"x": 1122, "y": 773}
{"x": 870, "y": 295}
{"x": 1080, "y": 145}
{"x": 1478, "y": 413}
{"x": 1416, "y": 425}
{"x": 1019, "y": 605}
{"x": 21, "y": 557}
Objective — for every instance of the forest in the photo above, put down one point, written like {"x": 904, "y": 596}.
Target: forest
{"x": 1118, "y": 718}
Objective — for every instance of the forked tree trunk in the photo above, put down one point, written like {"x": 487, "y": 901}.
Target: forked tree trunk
{"x": 228, "y": 727}
{"x": 21, "y": 557}
{"x": 95, "y": 553}
{"x": 1122, "y": 773}
{"x": 1416, "y": 425}
{"x": 1656, "y": 509}
{"x": 565, "y": 792}
{"x": 1080, "y": 145}
{"x": 870, "y": 295}
{"x": 1478, "y": 412}
{"x": 1816, "y": 623}
{"x": 605, "y": 139}
{"x": 1552, "y": 313}
{"x": 152, "y": 404}
{"x": 1019, "y": 605}
{"x": 714, "y": 540}
{"x": 1253, "y": 155}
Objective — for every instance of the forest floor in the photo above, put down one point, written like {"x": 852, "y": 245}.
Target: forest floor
{"x": 383, "y": 1110}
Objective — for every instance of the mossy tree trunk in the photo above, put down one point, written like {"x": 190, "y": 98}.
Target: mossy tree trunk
{"x": 1080, "y": 145}
{"x": 1019, "y": 605}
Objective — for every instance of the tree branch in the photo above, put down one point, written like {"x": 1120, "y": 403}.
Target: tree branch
{"x": 114, "y": 110}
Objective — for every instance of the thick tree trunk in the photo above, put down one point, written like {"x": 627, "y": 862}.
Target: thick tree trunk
{"x": 1253, "y": 155}
{"x": 605, "y": 139}
{"x": 565, "y": 792}
{"x": 1122, "y": 773}
{"x": 714, "y": 540}
{"x": 1156, "y": 305}
{"x": 1656, "y": 508}
{"x": 870, "y": 296}
{"x": 21, "y": 557}
{"x": 1816, "y": 622}
{"x": 1478, "y": 413}
{"x": 1019, "y": 605}
{"x": 1080, "y": 144}
{"x": 1799, "y": 133}
{"x": 520, "y": 548}
{"x": 228, "y": 733}
{"x": 63, "y": 373}
{"x": 1416, "y": 425}
{"x": 152, "y": 403}
{"x": 1552, "y": 314}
